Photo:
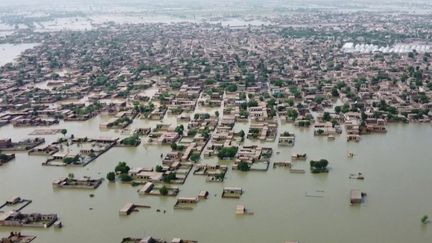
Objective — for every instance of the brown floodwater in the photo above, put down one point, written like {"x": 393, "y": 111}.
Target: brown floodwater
{"x": 396, "y": 166}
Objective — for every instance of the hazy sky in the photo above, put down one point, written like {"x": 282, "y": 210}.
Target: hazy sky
{"x": 7, "y": 2}
{"x": 200, "y": 3}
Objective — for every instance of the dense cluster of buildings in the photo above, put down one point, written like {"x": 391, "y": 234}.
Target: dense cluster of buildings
{"x": 256, "y": 72}
{"x": 259, "y": 76}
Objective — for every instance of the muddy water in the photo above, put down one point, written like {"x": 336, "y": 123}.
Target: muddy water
{"x": 396, "y": 166}
{"x": 8, "y": 52}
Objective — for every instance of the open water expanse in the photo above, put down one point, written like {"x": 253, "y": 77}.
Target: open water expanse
{"x": 8, "y": 52}
{"x": 396, "y": 165}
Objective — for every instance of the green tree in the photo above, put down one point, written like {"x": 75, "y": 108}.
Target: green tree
{"x": 326, "y": 116}
{"x": 292, "y": 114}
{"x": 124, "y": 177}
{"x": 110, "y": 176}
{"x": 195, "y": 157}
{"x": 71, "y": 176}
{"x": 220, "y": 176}
{"x": 242, "y": 133}
{"x": 425, "y": 219}
{"x": 179, "y": 129}
{"x": 253, "y": 103}
{"x": 133, "y": 140}
{"x": 231, "y": 88}
{"x": 158, "y": 168}
{"x": 176, "y": 84}
{"x": 206, "y": 134}
{"x": 295, "y": 91}
{"x": 271, "y": 103}
{"x": 163, "y": 190}
{"x": 64, "y": 131}
{"x": 243, "y": 166}
{"x": 290, "y": 102}
{"x": 169, "y": 177}
{"x": 319, "y": 166}
{"x": 227, "y": 152}
{"x": 174, "y": 146}
{"x": 319, "y": 99}
{"x": 210, "y": 81}
{"x": 71, "y": 160}
{"x": 122, "y": 168}
{"x": 244, "y": 113}
{"x": 277, "y": 82}
{"x": 345, "y": 108}
{"x": 335, "y": 92}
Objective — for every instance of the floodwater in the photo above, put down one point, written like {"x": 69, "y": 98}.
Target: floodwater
{"x": 8, "y": 52}
{"x": 396, "y": 167}
{"x": 4, "y": 33}
{"x": 90, "y": 22}
{"x": 137, "y": 19}
{"x": 233, "y": 22}
{"x": 58, "y": 24}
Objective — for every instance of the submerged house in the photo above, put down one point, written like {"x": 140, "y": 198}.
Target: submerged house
{"x": 356, "y": 196}
{"x": 286, "y": 139}
{"x": 18, "y": 219}
{"x": 232, "y": 192}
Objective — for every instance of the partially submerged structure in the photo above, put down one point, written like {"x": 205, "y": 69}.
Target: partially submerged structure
{"x": 26, "y": 144}
{"x": 129, "y": 207}
{"x": 84, "y": 183}
{"x": 186, "y": 202}
{"x": 5, "y": 158}
{"x": 152, "y": 189}
{"x": 18, "y": 219}
{"x": 150, "y": 239}
{"x": 232, "y": 192}
{"x": 357, "y": 197}
{"x": 17, "y": 237}
{"x": 79, "y": 151}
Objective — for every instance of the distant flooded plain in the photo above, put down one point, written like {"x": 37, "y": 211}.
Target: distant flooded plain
{"x": 93, "y": 21}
